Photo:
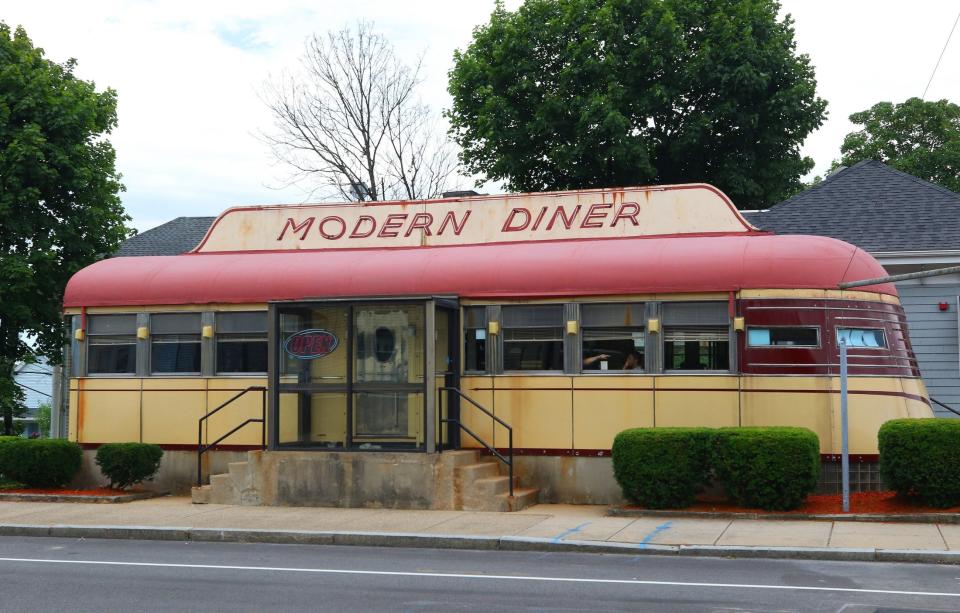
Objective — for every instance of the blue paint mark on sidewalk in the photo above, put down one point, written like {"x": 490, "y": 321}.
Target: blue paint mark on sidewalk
{"x": 661, "y": 528}
{"x": 565, "y": 533}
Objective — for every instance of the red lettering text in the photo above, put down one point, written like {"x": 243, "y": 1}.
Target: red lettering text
{"x": 595, "y": 215}
{"x": 356, "y": 228}
{"x": 421, "y": 221}
{"x": 451, "y": 219}
{"x": 394, "y": 221}
{"x": 332, "y": 236}
{"x": 622, "y": 213}
{"x": 561, "y": 214}
{"x": 508, "y": 224}
{"x": 303, "y": 227}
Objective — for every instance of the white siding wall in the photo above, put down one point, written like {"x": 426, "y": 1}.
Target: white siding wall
{"x": 934, "y": 336}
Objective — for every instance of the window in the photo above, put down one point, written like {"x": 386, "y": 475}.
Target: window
{"x": 242, "y": 342}
{"x": 696, "y": 336}
{"x": 612, "y": 337}
{"x": 866, "y": 338}
{"x": 112, "y": 344}
{"x": 533, "y": 337}
{"x": 175, "y": 343}
{"x": 475, "y": 339}
{"x": 783, "y": 337}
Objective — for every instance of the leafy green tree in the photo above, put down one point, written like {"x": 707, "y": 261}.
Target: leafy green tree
{"x": 60, "y": 207}
{"x": 43, "y": 419}
{"x": 919, "y": 137}
{"x": 595, "y": 93}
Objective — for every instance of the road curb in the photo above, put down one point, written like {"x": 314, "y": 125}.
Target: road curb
{"x": 910, "y": 518}
{"x": 470, "y": 542}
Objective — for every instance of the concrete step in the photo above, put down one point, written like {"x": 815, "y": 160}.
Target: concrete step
{"x": 461, "y": 457}
{"x": 481, "y": 470}
{"x": 522, "y": 498}
{"x": 238, "y": 472}
{"x": 492, "y": 486}
{"x": 200, "y": 495}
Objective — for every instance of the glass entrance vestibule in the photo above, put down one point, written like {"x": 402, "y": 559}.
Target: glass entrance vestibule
{"x": 361, "y": 375}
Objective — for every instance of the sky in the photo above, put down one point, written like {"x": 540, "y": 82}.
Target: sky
{"x": 189, "y": 76}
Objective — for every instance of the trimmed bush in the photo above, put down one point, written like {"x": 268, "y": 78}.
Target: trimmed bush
{"x": 40, "y": 462}
{"x": 128, "y": 463}
{"x": 919, "y": 458}
{"x": 772, "y": 468}
{"x": 4, "y": 438}
{"x": 662, "y": 468}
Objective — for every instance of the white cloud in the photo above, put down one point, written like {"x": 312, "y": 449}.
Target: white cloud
{"x": 188, "y": 74}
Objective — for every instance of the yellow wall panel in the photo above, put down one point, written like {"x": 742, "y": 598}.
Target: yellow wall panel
{"x": 109, "y": 417}
{"x": 171, "y": 417}
{"x": 539, "y": 409}
{"x": 684, "y": 401}
{"x": 480, "y": 390}
{"x": 604, "y": 406}
{"x": 243, "y": 408}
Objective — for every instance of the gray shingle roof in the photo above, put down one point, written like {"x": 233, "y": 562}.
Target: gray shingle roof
{"x": 172, "y": 238}
{"x": 872, "y": 206}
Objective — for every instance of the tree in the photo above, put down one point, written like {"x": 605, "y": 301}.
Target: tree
{"x": 921, "y": 138}
{"x": 351, "y": 123}
{"x": 43, "y": 420}
{"x": 584, "y": 93}
{"x": 60, "y": 208}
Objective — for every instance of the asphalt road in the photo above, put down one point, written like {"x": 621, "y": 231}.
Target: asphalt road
{"x": 46, "y": 574}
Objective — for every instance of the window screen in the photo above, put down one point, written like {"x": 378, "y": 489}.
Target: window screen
{"x": 242, "y": 342}
{"x": 783, "y": 337}
{"x": 111, "y": 344}
{"x": 533, "y": 337}
{"x": 612, "y": 337}
{"x": 175, "y": 343}
{"x": 696, "y": 336}
{"x": 475, "y": 338}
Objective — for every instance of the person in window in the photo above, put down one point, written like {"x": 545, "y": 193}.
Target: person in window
{"x": 632, "y": 361}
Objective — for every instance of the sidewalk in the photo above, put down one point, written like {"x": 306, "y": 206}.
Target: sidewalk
{"x": 541, "y": 527}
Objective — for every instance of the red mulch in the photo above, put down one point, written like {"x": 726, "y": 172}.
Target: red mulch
{"x": 822, "y": 504}
{"x": 99, "y": 491}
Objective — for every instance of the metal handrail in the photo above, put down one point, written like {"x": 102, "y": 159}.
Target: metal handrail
{"x": 202, "y": 449}
{"x": 952, "y": 410}
{"x": 508, "y": 460}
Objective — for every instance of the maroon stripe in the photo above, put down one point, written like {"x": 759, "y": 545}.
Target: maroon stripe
{"x": 605, "y": 453}
{"x": 178, "y": 447}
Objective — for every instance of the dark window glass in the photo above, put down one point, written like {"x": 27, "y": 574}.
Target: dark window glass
{"x": 783, "y": 337}
{"x": 175, "y": 354}
{"x": 112, "y": 344}
{"x": 533, "y": 337}
{"x": 706, "y": 348}
{"x": 245, "y": 355}
{"x": 112, "y": 355}
{"x": 612, "y": 337}
{"x": 475, "y": 338}
{"x": 242, "y": 342}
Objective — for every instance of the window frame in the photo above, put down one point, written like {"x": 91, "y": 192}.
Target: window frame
{"x": 490, "y": 342}
{"x": 642, "y": 328}
{"x": 502, "y": 341}
{"x": 153, "y": 339}
{"x": 237, "y": 337}
{"x": 727, "y": 327}
{"x": 819, "y": 344}
{"x": 883, "y": 335}
{"x": 88, "y": 343}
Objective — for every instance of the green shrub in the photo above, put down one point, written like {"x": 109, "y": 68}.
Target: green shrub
{"x": 128, "y": 463}
{"x": 919, "y": 457}
{"x": 4, "y": 439}
{"x": 661, "y": 468}
{"x": 772, "y": 468}
{"x": 40, "y": 462}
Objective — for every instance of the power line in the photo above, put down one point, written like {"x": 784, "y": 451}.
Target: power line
{"x": 33, "y": 390}
{"x": 924, "y": 96}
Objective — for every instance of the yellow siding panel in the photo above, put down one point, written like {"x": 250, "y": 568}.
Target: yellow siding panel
{"x": 171, "y": 417}
{"x": 605, "y": 406}
{"x": 685, "y": 401}
{"x": 540, "y": 410}
{"x": 109, "y": 417}
{"x": 480, "y": 390}
{"x": 245, "y": 407}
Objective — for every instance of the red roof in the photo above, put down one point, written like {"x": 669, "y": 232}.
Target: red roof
{"x": 506, "y": 270}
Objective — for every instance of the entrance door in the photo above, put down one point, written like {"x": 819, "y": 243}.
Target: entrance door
{"x": 351, "y": 375}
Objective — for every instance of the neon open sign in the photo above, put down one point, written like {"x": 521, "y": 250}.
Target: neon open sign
{"x": 311, "y": 344}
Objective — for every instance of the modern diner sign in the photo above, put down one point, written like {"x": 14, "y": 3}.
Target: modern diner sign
{"x": 632, "y": 212}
